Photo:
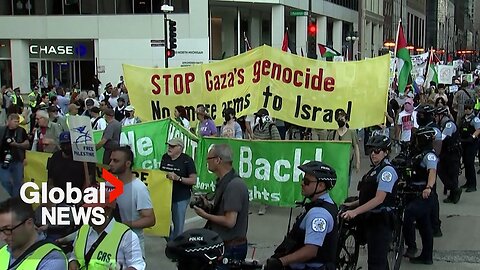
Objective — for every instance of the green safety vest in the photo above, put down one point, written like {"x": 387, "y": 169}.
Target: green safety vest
{"x": 31, "y": 261}
{"x": 105, "y": 255}
{"x": 32, "y": 99}
{"x": 477, "y": 105}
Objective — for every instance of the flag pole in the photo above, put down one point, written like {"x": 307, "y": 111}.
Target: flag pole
{"x": 395, "y": 52}
{"x": 428, "y": 66}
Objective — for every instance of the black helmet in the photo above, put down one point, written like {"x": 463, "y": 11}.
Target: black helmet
{"x": 424, "y": 136}
{"x": 379, "y": 141}
{"x": 321, "y": 171}
{"x": 469, "y": 103}
{"x": 425, "y": 114}
{"x": 197, "y": 246}
{"x": 441, "y": 110}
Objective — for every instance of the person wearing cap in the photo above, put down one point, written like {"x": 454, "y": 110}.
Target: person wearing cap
{"x": 25, "y": 248}
{"x": 17, "y": 98}
{"x": 130, "y": 118}
{"x": 46, "y": 134}
{"x": 134, "y": 204}
{"x": 120, "y": 109}
{"x": 111, "y": 135}
{"x": 469, "y": 133}
{"x": 182, "y": 172}
{"x": 229, "y": 214}
{"x": 205, "y": 127}
{"x": 58, "y": 176}
{"x": 312, "y": 241}
{"x": 108, "y": 91}
{"x": 111, "y": 245}
{"x": 98, "y": 122}
{"x": 55, "y": 117}
{"x": 14, "y": 141}
{"x": 34, "y": 98}
{"x": 265, "y": 129}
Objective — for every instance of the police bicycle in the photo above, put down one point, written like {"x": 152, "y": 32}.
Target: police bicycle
{"x": 348, "y": 246}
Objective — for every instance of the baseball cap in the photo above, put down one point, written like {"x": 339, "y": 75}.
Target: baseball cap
{"x": 262, "y": 112}
{"x": 130, "y": 108}
{"x": 175, "y": 141}
{"x": 64, "y": 137}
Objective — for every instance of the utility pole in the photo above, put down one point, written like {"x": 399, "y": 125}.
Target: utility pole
{"x": 166, "y": 8}
{"x": 360, "y": 28}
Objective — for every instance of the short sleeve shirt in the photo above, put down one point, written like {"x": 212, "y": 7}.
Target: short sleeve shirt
{"x": 386, "y": 179}
{"x": 183, "y": 166}
{"x": 449, "y": 129}
{"x": 429, "y": 161}
{"x": 112, "y": 134}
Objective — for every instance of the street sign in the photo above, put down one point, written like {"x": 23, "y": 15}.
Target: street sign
{"x": 298, "y": 13}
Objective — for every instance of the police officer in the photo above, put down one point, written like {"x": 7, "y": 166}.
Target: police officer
{"x": 449, "y": 157}
{"x": 469, "y": 132}
{"x": 376, "y": 201}
{"x": 312, "y": 242}
{"x": 425, "y": 118}
{"x": 419, "y": 208}
{"x": 111, "y": 245}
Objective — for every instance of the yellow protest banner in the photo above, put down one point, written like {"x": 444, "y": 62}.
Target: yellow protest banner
{"x": 158, "y": 185}
{"x": 295, "y": 89}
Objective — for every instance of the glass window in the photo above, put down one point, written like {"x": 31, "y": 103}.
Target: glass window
{"x": 179, "y": 6}
{"x": 54, "y": 7}
{"x": 106, "y": 6}
{"x": 21, "y": 7}
{"x": 142, "y": 6}
{"x": 38, "y": 7}
{"x": 6, "y": 7}
{"x": 71, "y": 7}
{"x": 5, "y": 72}
{"x": 124, "y": 7}
{"x": 89, "y": 7}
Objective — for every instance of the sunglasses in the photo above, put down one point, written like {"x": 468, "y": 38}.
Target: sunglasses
{"x": 376, "y": 151}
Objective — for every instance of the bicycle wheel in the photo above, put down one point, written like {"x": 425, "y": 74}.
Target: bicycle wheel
{"x": 395, "y": 252}
{"x": 348, "y": 252}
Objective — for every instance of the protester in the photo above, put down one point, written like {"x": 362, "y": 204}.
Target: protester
{"x": 459, "y": 99}
{"x": 130, "y": 118}
{"x": 135, "y": 205}
{"x": 98, "y": 122}
{"x": 55, "y": 117}
{"x": 182, "y": 172}
{"x": 230, "y": 128}
{"x": 46, "y": 135}
{"x": 265, "y": 129}
{"x": 111, "y": 135}
{"x": 206, "y": 126}
{"x": 105, "y": 96}
{"x": 25, "y": 248}
{"x": 229, "y": 213}
{"x": 13, "y": 143}
{"x": 407, "y": 120}
{"x": 181, "y": 116}
{"x": 120, "y": 109}
{"x": 111, "y": 245}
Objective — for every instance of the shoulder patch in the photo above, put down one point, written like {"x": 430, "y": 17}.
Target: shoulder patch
{"x": 319, "y": 225}
{"x": 431, "y": 157}
{"x": 387, "y": 176}
{"x": 448, "y": 125}
{"x": 476, "y": 120}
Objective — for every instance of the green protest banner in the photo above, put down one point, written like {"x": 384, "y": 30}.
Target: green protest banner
{"x": 148, "y": 141}
{"x": 270, "y": 167}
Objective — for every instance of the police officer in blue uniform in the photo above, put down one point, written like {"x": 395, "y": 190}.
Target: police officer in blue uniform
{"x": 425, "y": 118}
{"x": 312, "y": 242}
{"x": 376, "y": 202}
{"x": 450, "y": 155}
{"x": 469, "y": 132}
{"x": 419, "y": 208}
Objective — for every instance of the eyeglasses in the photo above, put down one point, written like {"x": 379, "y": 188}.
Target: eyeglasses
{"x": 208, "y": 158}
{"x": 10, "y": 231}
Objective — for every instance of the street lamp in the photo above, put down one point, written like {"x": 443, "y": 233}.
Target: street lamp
{"x": 351, "y": 38}
{"x": 389, "y": 43}
{"x": 410, "y": 47}
{"x": 419, "y": 50}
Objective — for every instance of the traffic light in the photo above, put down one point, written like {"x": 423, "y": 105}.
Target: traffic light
{"x": 312, "y": 38}
{"x": 170, "y": 53}
{"x": 172, "y": 35}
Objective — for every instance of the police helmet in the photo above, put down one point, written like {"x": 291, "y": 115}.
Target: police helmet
{"x": 425, "y": 114}
{"x": 379, "y": 141}
{"x": 441, "y": 110}
{"x": 424, "y": 136}
{"x": 426, "y": 108}
{"x": 198, "y": 247}
{"x": 469, "y": 103}
{"x": 321, "y": 171}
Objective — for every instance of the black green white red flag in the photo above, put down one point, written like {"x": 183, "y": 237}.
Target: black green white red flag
{"x": 404, "y": 62}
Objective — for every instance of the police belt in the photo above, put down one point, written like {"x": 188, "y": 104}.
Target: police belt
{"x": 235, "y": 241}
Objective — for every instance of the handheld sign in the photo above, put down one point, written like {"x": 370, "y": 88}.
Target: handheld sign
{"x": 83, "y": 145}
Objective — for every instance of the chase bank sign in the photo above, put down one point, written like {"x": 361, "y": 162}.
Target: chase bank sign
{"x": 61, "y": 49}
{"x": 51, "y": 50}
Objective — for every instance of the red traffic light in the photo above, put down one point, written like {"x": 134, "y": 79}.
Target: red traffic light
{"x": 170, "y": 53}
{"x": 312, "y": 29}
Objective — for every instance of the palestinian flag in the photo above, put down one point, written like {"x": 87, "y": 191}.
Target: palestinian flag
{"x": 287, "y": 44}
{"x": 404, "y": 62}
{"x": 326, "y": 51}
{"x": 432, "y": 75}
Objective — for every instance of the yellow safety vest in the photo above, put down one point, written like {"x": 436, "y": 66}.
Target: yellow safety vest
{"x": 477, "y": 105}
{"x": 31, "y": 261}
{"x": 32, "y": 99}
{"x": 105, "y": 255}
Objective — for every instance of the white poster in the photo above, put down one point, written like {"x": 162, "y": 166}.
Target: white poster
{"x": 190, "y": 52}
{"x": 445, "y": 73}
{"x": 419, "y": 64}
{"x": 81, "y": 133}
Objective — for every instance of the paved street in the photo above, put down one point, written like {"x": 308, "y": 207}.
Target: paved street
{"x": 459, "y": 248}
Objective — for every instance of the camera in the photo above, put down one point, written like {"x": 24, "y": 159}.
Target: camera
{"x": 7, "y": 160}
{"x": 198, "y": 200}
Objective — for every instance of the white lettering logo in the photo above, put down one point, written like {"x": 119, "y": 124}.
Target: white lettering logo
{"x": 52, "y": 50}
